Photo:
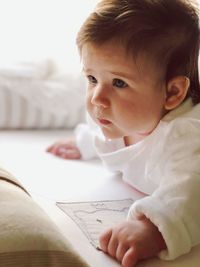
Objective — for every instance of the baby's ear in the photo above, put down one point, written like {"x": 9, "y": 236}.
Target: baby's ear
{"x": 176, "y": 92}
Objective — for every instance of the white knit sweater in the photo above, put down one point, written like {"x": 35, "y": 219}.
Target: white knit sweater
{"x": 165, "y": 166}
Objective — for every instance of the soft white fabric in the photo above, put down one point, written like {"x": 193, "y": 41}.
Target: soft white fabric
{"x": 37, "y": 95}
{"x": 85, "y": 138}
{"x": 165, "y": 166}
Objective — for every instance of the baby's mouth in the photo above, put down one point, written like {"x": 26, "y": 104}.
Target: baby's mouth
{"x": 104, "y": 121}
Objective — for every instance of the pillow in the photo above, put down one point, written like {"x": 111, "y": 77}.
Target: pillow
{"x": 36, "y": 96}
{"x": 27, "y": 235}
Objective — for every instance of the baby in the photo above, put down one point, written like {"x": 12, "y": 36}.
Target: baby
{"x": 140, "y": 58}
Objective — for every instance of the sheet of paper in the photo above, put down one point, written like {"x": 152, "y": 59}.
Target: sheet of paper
{"x": 96, "y": 216}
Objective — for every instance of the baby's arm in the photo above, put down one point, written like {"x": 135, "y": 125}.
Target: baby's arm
{"x": 132, "y": 240}
{"x": 174, "y": 205}
{"x": 79, "y": 146}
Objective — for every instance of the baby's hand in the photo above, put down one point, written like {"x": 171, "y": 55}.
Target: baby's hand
{"x": 131, "y": 241}
{"x": 65, "y": 149}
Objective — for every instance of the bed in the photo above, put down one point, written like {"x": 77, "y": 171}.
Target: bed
{"x": 49, "y": 179}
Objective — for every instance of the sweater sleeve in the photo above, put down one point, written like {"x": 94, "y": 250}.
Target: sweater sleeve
{"x": 175, "y": 206}
{"x": 85, "y": 141}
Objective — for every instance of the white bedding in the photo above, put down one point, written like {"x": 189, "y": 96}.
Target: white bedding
{"x": 50, "y": 179}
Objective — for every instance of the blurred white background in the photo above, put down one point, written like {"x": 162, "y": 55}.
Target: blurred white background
{"x": 34, "y": 30}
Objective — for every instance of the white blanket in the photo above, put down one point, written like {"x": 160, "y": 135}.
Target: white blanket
{"x": 37, "y": 96}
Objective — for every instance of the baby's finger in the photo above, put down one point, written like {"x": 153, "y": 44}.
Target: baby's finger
{"x": 104, "y": 240}
{"x": 53, "y": 150}
{"x": 130, "y": 258}
{"x": 49, "y": 149}
{"x": 70, "y": 154}
{"x": 57, "y": 150}
{"x": 113, "y": 245}
{"x": 121, "y": 250}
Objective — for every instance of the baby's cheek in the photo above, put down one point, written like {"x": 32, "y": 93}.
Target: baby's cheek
{"x": 88, "y": 103}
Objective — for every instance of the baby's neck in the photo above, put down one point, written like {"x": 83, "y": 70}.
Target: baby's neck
{"x": 131, "y": 140}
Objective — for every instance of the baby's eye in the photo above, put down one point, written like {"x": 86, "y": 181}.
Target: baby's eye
{"x": 119, "y": 83}
{"x": 92, "y": 79}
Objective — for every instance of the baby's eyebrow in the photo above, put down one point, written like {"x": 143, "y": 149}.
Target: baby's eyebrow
{"x": 125, "y": 75}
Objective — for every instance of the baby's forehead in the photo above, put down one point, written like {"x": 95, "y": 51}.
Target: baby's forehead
{"x": 114, "y": 56}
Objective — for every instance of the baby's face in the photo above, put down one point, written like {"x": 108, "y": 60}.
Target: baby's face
{"x": 123, "y": 100}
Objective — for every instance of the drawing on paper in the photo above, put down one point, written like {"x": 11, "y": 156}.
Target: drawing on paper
{"x": 94, "y": 217}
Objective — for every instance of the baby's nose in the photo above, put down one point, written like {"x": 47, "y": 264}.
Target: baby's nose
{"x": 100, "y": 97}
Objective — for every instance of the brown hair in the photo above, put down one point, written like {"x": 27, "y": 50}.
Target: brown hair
{"x": 166, "y": 30}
